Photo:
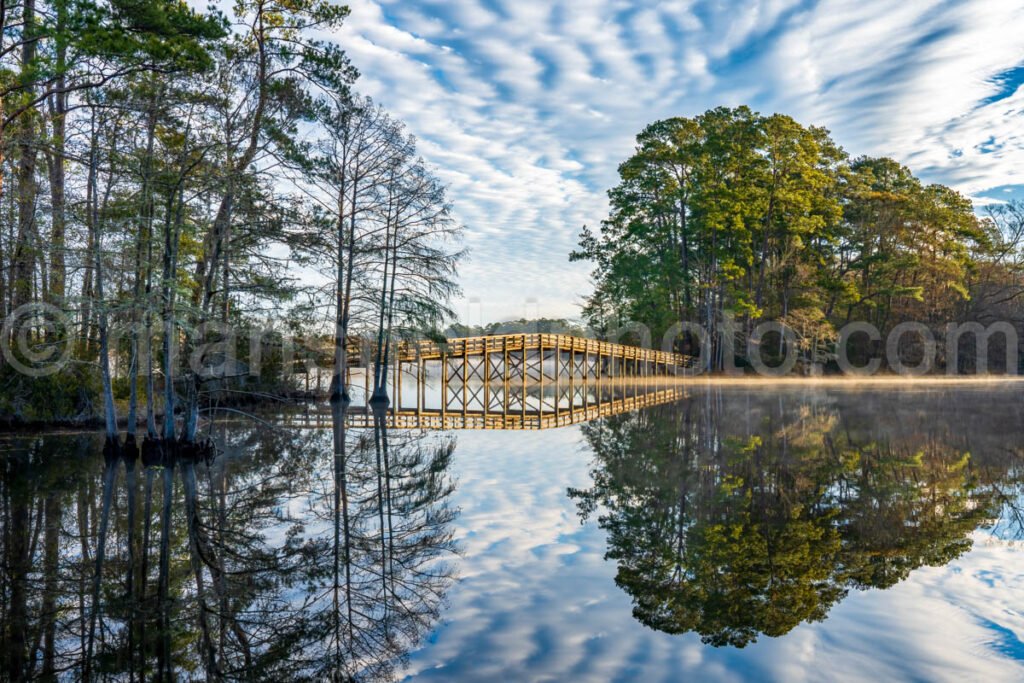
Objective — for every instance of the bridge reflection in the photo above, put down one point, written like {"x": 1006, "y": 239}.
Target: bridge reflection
{"x": 487, "y": 405}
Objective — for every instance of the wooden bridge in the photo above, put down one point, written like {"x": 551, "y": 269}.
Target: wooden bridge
{"x": 514, "y": 381}
{"x": 521, "y": 360}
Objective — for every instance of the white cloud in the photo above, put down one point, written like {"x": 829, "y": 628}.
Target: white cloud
{"x": 527, "y": 107}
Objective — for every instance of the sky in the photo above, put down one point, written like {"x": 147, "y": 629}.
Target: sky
{"x": 525, "y": 108}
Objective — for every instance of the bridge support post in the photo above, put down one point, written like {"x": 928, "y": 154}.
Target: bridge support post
{"x": 487, "y": 380}
{"x": 421, "y": 385}
{"x": 504, "y": 382}
{"x": 398, "y": 383}
{"x": 572, "y": 384}
{"x": 465, "y": 373}
{"x": 522, "y": 423}
{"x": 558, "y": 375}
{"x": 540, "y": 405}
{"x": 444, "y": 389}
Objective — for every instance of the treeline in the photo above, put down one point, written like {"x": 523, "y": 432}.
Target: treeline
{"x": 520, "y": 326}
{"x": 172, "y": 178}
{"x": 733, "y": 215}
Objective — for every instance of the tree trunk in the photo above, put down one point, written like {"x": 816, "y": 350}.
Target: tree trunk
{"x": 163, "y": 602}
{"x": 171, "y": 239}
{"x": 94, "y": 219}
{"x": 23, "y": 257}
{"x": 18, "y": 565}
{"x": 58, "y": 123}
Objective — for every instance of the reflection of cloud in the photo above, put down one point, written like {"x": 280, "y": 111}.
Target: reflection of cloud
{"x": 537, "y": 600}
{"x": 528, "y": 106}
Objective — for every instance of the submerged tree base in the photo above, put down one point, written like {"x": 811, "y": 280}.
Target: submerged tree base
{"x": 165, "y": 452}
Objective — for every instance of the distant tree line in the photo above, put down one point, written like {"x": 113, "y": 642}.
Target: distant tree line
{"x": 734, "y": 218}
{"x": 520, "y": 326}
{"x": 169, "y": 174}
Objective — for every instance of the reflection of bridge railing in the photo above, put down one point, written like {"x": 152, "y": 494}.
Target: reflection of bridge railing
{"x": 560, "y": 406}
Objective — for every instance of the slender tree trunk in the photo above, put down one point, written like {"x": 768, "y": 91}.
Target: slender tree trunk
{"x": 349, "y": 274}
{"x": 206, "y": 268}
{"x": 57, "y": 156}
{"x": 171, "y": 239}
{"x": 379, "y": 389}
{"x": 3, "y": 260}
{"x": 338, "y": 390}
{"x": 95, "y": 228}
{"x": 188, "y": 477}
{"x": 23, "y": 256}
{"x": 341, "y": 523}
{"x": 18, "y": 565}
{"x": 51, "y": 560}
{"x": 140, "y": 306}
{"x": 147, "y": 518}
{"x": 378, "y": 422}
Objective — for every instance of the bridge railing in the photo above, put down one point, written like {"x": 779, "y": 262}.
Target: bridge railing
{"x": 474, "y": 346}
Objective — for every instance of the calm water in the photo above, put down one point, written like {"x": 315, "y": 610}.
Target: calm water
{"x": 790, "y": 533}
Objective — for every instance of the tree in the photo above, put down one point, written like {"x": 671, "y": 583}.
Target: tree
{"x": 732, "y": 214}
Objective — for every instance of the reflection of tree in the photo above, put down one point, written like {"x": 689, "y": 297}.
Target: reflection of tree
{"x": 170, "y": 566}
{"x": 746, "y": 517}
{"x": 393, "y": 534}
{"x": 41, "y": 560}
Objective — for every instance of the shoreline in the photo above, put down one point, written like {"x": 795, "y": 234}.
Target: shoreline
{"x": 13, "y": 427}
{"x": 853, "y": 379}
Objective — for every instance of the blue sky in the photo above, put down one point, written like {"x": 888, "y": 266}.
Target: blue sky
{"x": 526, "y": 107}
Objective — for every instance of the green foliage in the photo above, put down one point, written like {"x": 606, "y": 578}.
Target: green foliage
{"x": 66, "y": 397}
{"x": 760, "y": 217}
{"x": 81, "y": 45}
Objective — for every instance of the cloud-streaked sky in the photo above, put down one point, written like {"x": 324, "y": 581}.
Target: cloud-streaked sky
{"x": 526, "y": 107}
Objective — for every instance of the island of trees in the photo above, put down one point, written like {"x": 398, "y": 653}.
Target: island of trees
{"x": 733, "y": 215}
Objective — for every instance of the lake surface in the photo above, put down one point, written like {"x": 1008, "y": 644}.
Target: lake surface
{"x": 736, "y": 532}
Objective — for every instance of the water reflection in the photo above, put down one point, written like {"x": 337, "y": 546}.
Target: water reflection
{"x": 741, "y": 513}
{"x": 272, "y": 560}
{"x": 560, "y": 402}
{"x": 327, "y": 554}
